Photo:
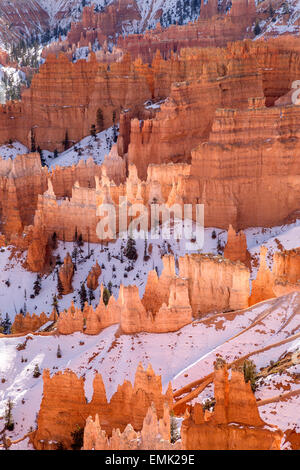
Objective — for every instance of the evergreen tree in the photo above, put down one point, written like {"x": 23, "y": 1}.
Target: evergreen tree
{"x": 250, "y": 373}
{"x": 130, "y": 250}
{"x": 55, "y": 155}
{"x": 55, "y": 304}
{"x": 54, "y": 240}
{"x": 100, "y": 120}
{"x": 32, "y": 139}
{"x": 58, "y": 352}
{"x": 115, "y": 129}
{"x": 80, "y": 240}
{"x": 106, "y": 296}
{"x": 36, "y": 372}
{"x": 6, "y": 325}
{"x": 43, "y": 161}
{"x": 83, "y": 296}
{"x": 91, "y": 296}
{"x": 173, "y": 429}
{"x": 146, "y": 256}
{"x": 93, "y": 131}
{"x": 9, "y": 421}
{"x": 66, "y": 142}
{"x": 109, "y": 287}
{"x": 60, "y": 288}
{"x": 37, "y": 285}
{"x": 75, "y": 256}
{"x": 257, "y": 28}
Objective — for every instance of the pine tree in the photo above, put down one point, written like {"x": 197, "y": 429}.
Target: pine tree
{"x": 80, "y": 240}
{"x": 6, "y": 325}
{"x": 250, "y": 373}
{"x": 60, "y": 287}
{"x": 9, "y": 421}
{"x": 36, "y": 372}
{"x": 75, "y": 256}
{"x": 66, "y": 142}
{"x": 91, "y": 296}
{"x": 106, "y": 296}
{"x": 115, "y": 129}
{"x": 100, "y": 120}
{"x": 32, "y": 138}
{"x": 83, "y": 296}
{"x": 55, "y": 154}
{"x": 58, "y": 352}
{"x": 37, "y": 285}
{"x": 174, "y": 429}
{"x": 55, "y": 304}
{"x": 130, "y": 250}
{"x": 54, "y": 240}
{"x": 146, "y": 256}
{"x": 93, "y": 131}
{"x": 257, "y": 28}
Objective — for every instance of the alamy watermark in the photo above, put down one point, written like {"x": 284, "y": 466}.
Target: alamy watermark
{"x": 155, "y": 221}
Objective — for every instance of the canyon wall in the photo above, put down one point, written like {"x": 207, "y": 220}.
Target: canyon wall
{"x": 64, "y": 406}
{"x": 234, "y": 424}
{"x": 215, "y": 27}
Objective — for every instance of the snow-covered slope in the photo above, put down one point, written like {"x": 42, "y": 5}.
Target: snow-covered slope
{"x": 178, "y": 357}
{"x": 280, "y": 17}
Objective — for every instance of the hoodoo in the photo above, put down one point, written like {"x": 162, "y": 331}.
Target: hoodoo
{"x": 149, "y": 214}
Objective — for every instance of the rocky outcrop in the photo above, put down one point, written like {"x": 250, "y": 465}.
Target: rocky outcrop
{"x": 236, "y": 247}
{"x": 235, "y": 423}
{"x": 262, "y": 286}
{"x": 170, "y": 317}
{"x": 283, "y": 279}
{"x": 215, "y": 27}
{"x": 66, "y": 274}
{"x": 31, "y": 323}
{"x": 215, "y": 284}
{"x": 204, "y": 284}
{"x": 155, "y": 435}
{"x": 64, "y": 406}
{"x": 93, "y": 276}
{"x": 37, "y": 250}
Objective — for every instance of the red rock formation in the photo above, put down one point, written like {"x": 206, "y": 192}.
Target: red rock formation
{"x": 235, "y": 423}
{"x": 37, "y": 250}
{"x": 70, "y": 321}
{"x": 284, "y": 278}
{"x": 170, "y": 317}
{"x": 205, "y": 284}
{"x": 64, "y": 406}
{"x": 215, "y": 284}
{"x": 213, "y": 28}
{"x": 262, "y": 286}
{"x": 92, "y": 279}
{"x": 29, "y": 324}
{"x": 66, "y": 274}
{"x": 236, "y": 247}
{"x": 62, "y": 103}
{"x": 155, "y": 435}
